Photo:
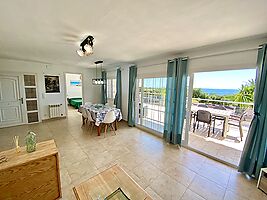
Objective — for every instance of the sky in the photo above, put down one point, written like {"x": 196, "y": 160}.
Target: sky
{"x": 230, "y": 79}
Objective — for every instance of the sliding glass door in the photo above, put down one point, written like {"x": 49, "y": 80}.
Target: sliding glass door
{"x": 151, "y": 103}
{"x": 226, "y": 96}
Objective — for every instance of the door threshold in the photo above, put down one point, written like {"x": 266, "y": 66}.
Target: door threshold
{"x": 211, "y": 157}
{"x": 148, "y": 130}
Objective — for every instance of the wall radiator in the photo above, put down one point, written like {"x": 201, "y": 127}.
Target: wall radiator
{"x": 55, "y": 110}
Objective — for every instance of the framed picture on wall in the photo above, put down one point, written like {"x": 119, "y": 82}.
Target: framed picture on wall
{"x": 75, "y": 83}
{"x": 51, "y": 84}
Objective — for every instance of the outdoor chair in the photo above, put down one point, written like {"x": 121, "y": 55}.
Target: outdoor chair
{"x": 205, "y": 117}
{"x": 236, "y": 120}
{"x": 192, "y": 116}
{"x": 202, "y": 105}
{"x": 219, "y": 107}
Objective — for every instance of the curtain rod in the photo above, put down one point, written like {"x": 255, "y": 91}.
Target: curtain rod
{"x": 205, "y": 56}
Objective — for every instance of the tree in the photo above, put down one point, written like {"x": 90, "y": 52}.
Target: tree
{"x": 198, "y": 93}
{"x": 246, "y": 92}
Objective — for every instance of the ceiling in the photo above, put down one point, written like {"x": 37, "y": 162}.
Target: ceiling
{"x": 125, "y": 31}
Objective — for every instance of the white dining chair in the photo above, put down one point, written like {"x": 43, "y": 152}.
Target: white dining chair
{"x": 110, "y": 105}
{"x": 108, "y": 121}
{"x": 88, "y": 103}
{"x": 84, "y": 115}
{"x": 90, "y": 120}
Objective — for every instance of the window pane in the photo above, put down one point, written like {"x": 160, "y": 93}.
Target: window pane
{"x": 114, "y": 88}
{"x": 109, "y": 89}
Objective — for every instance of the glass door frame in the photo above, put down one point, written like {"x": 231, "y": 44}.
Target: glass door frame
{"x": 186, "y": 129}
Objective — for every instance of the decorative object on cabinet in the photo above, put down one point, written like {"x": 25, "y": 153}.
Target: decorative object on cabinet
{"x": 30, "y": 140}
{"x": 16, "y": 142}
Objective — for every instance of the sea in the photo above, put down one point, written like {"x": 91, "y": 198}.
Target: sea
{"x": 220, "y": 92}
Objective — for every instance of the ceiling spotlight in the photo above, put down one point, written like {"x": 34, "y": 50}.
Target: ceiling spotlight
{"x": 86, "y": 47}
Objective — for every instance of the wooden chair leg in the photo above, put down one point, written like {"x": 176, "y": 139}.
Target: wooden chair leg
{"x": 116, "y": 125}
{"x": 83, "y": 120}
{"x": 194, "y": 127}
{"x": 92, "y": 126}
{"x": 114, "y": 130}
{"x": 88, "y": 124}
{"x": 106, "y": 127}
{"x": 209, "y": 130}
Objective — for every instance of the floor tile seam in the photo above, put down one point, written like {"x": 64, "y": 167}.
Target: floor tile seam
{"x": 197, "y": 191}
{"x": 194, "y": 192}
{"x": 225, "y": 187}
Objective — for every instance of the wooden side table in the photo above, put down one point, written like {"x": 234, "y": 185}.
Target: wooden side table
{"x": 32, "y": 175}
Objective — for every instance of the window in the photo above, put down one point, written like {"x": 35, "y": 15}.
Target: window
{"x": 111, "y": 88}
{"x": 151, "y": 102}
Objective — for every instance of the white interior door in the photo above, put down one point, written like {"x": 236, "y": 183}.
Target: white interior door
{"x": 10, "y": 101}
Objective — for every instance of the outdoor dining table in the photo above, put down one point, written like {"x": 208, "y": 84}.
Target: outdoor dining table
{"x": 98, "y": 113}
{"x": 217, "y": 113}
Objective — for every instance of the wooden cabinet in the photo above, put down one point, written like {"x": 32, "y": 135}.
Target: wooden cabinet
{"x": 31, "y": 175}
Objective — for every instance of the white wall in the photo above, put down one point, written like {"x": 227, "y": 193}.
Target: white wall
{"x": 73, "y": 91}
{"x": 229, "y": 55}
{"x": 90, "y": 92}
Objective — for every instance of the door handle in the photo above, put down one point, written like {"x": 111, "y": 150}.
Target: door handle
{"x": 21, "y": 100}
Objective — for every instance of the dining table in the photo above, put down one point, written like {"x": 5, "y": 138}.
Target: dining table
{"x": 98, "y": 113}
{"x": 225, "y": 114}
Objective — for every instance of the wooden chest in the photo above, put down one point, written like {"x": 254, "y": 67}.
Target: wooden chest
{"x": 31, "y": 175}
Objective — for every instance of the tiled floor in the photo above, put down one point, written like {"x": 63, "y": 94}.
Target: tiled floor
{"x": 228, "y": 149}
{"x": 163, "y": 170}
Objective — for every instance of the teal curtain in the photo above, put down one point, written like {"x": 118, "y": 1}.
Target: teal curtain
{"x": 254, "y": 154}
{"x": 131, "y": 96}
{"x": 104, "y": 88}
{"x": 117, "y": 100}
{"x": 175, "y": 101}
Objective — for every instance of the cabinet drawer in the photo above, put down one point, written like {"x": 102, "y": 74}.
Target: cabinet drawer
{"x": 37, "y": 179}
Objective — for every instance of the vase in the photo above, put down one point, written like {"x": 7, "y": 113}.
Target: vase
{"x": 30, "y": 140}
